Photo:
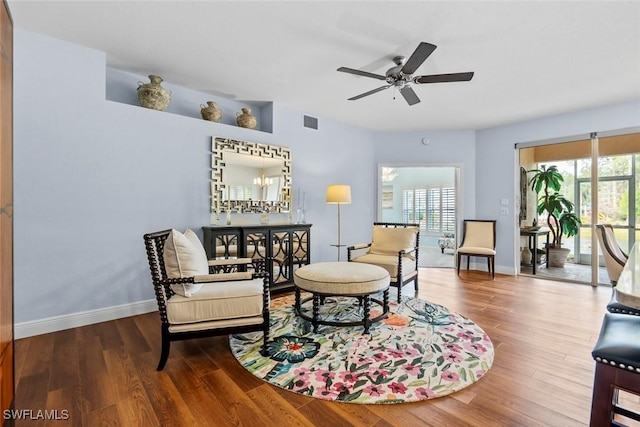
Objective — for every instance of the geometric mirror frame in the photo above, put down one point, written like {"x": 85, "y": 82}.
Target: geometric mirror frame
{"x": 223, "y": 151}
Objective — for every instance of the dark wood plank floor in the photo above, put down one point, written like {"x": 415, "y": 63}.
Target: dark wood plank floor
{"x": 544, "y": 331}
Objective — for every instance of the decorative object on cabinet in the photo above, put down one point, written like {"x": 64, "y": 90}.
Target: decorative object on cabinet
{"x": 153, "y": 95}
{"x": 210, "y": 112}
{"x": 245, "y": 119}
{"x": 234, "y": 165}
{"x": 338, "y": 194}
{"x": 300, "y": 212}
{"x": 287, "y": 245}
{"x": 229, "y": 299}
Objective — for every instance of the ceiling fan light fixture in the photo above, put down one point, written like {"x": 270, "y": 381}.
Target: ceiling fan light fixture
{"x": 401, "y": 77}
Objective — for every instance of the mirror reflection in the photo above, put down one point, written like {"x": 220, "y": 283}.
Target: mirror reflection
{"x": 249, "y": 177}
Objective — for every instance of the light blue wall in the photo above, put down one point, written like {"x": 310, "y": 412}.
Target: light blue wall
{"x": 445, "y": 148}
{"x": 92, "y": 176}
{"x": 496, "y": 163}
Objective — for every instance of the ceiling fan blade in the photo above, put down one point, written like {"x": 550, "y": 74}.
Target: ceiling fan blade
{"x": 409, "y": 95}
{"x": 416, "y": 59}
{"x": 371, "y": 92}
{"x": 443, "y": 78}
{"x": 361, "y": 73}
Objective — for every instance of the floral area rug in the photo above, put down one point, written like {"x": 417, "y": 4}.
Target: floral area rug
{"x": 420, "y": 351}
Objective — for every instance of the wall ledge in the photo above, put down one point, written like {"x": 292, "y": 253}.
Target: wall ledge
{"x": 82, "y": 318}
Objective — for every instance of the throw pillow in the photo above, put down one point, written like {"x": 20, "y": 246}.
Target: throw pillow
{"x": 183, "y": 257}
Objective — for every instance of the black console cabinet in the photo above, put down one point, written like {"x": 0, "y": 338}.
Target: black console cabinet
{"x": 288, "y": 245}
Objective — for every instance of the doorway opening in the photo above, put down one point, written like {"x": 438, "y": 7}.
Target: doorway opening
{"x": 426, "y": 195}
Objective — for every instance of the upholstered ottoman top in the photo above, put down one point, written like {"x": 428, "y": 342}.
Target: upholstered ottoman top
{"x": 341, "y": 278}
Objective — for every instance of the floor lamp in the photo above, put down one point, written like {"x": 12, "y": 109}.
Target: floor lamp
{"x": 339, "y": 194}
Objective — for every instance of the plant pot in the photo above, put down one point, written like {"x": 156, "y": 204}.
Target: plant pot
{"x": 557, "y": 256}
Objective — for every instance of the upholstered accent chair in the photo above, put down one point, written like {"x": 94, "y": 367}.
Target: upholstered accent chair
{"x": 614, "y": 259}
{"x": 198, "y": 297}
{"x": 394, "y": 247}
{"x": 478, "y": 240}
{"x": 614, "y": 256}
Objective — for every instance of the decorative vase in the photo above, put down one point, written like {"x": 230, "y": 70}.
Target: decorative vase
{"x": 211, "y": 112}
{"x": 245, "y": 119}
{"x": 264, "y": 218}
{"x": 152, "y": 95}
{"x": 525, "y": 256}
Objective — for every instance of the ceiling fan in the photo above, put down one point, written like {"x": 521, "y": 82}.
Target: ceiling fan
{"x": 401, "y": 75}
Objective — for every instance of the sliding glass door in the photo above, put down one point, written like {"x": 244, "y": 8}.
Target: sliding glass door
{"x": 616, "y": 184}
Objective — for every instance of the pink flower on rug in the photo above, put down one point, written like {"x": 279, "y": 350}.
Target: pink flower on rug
{"x": 485, "y": 337}
{"x": 302, "y": 373}
{"x": 327, "y": 393}
{"x": 448, "y": 329}
{"x": 466, "y": 335}
{"x": 300, "y": 384}
{"x": 323, "y": 375}
{"x": 350, "y": 377}
{"x": 411, "y": 369}
{"x": 379, "y": 357}
{"x": 452, "y": 347}
{"x": 398, "y": 387}
{"x": 475, "y": 348}
{"x": 341, "y": 388}
{"x": 411, "y": 352}
{"x": 374, "y": 390}
{"x": 479, "y": 373}
{"x": 450, "y": 376}
{"x": 425, "y": 392}
{"x": 452, "y": 357}
{"x": 376, "y": 374}
{"x": 396, "y": 353}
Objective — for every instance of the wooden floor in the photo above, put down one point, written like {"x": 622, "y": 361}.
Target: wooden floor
{"x": 543, "y": 331}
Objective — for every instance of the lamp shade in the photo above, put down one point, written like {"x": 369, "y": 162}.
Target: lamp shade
{"x": 339, "y": 193}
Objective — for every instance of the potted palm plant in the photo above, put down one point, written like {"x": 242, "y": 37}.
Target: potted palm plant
{"x": 561, "y": 218}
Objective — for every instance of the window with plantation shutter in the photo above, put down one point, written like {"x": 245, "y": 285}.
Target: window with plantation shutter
{"x": 434, "y": 208}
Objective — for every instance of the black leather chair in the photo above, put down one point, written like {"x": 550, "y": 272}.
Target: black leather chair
{"x": 617, "y": 353}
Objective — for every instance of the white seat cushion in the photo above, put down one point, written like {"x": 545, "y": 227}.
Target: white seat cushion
{"x": 217, "y": 301}
{"x": 389, "y": 263}
{"x": 472, "y": 250}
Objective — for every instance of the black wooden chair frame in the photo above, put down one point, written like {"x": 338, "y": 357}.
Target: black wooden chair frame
{"x": 154, "y": 243}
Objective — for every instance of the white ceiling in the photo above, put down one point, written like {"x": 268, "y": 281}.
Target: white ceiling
{"x": 530, "y": 58}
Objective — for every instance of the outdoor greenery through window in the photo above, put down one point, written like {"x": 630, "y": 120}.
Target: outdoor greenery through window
{"x": 618, "y": 201}
{"x": 433, "y": 208}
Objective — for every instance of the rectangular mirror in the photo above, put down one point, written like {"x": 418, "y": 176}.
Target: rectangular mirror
{"x": 249, "y": 177}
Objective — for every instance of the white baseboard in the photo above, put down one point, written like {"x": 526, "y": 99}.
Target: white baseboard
{"x": 74, "y": 320}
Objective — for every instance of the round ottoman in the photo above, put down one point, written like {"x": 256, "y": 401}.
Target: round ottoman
{"x": 347, "y": 279}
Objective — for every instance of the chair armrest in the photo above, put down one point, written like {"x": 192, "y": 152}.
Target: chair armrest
{"x": 359, "y": 246}
{"x": 222, "y": 277}
{"x": 406, "y": 251}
